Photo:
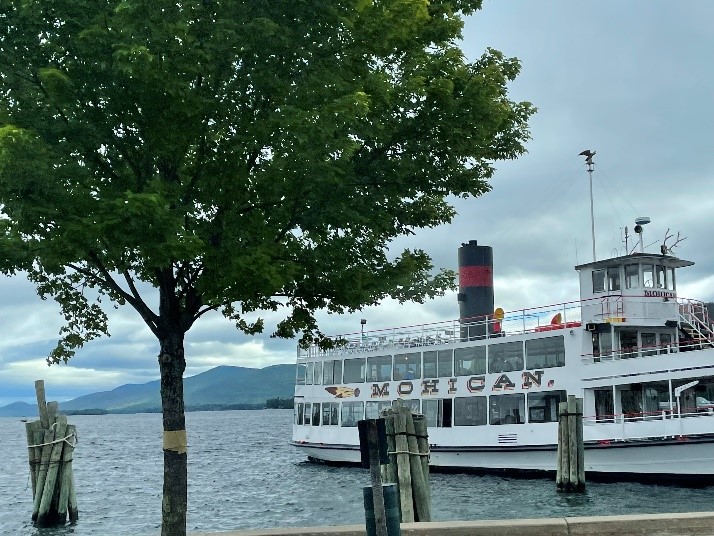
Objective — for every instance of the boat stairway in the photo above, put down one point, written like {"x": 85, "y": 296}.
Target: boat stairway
{"x": 695, "y": 325}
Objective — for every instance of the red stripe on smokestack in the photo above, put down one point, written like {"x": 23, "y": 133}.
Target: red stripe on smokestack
{"x": 475, "y": 276}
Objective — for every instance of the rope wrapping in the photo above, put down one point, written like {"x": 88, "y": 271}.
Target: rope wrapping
{"x": 65, "y": 439}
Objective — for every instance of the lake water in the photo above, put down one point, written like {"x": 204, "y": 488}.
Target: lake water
{"x": 244, "y": 474}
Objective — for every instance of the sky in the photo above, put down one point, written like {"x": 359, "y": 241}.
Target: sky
{"x": 631, "y": 80}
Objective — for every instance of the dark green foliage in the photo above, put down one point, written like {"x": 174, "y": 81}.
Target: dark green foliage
{"x": 238, "y": 156}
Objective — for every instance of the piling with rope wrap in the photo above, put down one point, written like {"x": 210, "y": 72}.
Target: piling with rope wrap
{"x": 50, "y": 445}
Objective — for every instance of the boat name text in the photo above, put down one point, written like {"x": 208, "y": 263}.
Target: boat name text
{"x": 474, "y": 384}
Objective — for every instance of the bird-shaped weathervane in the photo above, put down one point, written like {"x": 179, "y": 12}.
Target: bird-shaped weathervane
{"x": 588, "y": 154}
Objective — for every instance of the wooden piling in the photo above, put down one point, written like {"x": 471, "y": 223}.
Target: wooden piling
{"x": 422, "y": 436}
{"x": 66, "y": 504}
{"x": 389, "y": 471}
{"x": 581, "y": 442}
{"x": 42, "y": 404}
{"x": 570, "y": 469}
{"x": 404, "y": 475}
{"x": 422, "y": 511}
{"x": 50, "y": 451}
{"x": 46, "y": 517}
{"x": 408, "y": 447}
{"x": 32, "y": 452}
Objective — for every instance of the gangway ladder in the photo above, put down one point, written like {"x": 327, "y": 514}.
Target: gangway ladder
{"x": 694, "y": 320}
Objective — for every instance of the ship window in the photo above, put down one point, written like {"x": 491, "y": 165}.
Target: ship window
{"x": 332, "y": 372}
{"x": 308, "y": 412}
{"x": 670, "y": 279}
{"x": 505, "y": 357}
{"x": 697, "y": 400}
{"x": 470, "y": 361}
{"x": 632, "y": 276}
{"x": 318, "y": 373}
{"x": 316, "y": 414}
{"x": 309, "y": 373}
{"x": 299, "y": 412}
{"x": 602, "y": 344}
{"x": 354, "y": 370}
{"x": 446, "y": 363}
{"x": 628, "y": 344}
{"x": 430, "y": 370}
{"x": 413, "y": 404}
{"x": 604, "y": 407}
{"x": 545, "y": 353}
{"x": 407, "y": 366}
{"x": 330, "y": 413}
{"x": 647, "y": 275}
{"x": 649, "y": 343}
{"x": 665, "y": 342}
{"x": 352, "y": 412}
{"x": 661, "y": 279}
{"x": 437, "y": 412}
{"x": 543, "y": 407}
{"x": 372, "y": 409}
{"x": 655, "y": 399}
{"x": 379, "y": 368}
{"x": 613, "y": 278}
{"x": 328, "y": 372}
{"x": 300, "y": 374}
{"x": 598, "y": 280}
{"x": 508, "y": 409}
{"x": 470, "y": 411}
{"x": 631, "y": 400}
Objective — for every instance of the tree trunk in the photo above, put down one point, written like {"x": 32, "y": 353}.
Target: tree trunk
{"x": 172, "y": 364}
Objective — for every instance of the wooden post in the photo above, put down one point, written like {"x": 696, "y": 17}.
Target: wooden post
{"x": 403, "y": 468}
{"x": 42, "y": 404}
{"x": 572, "y": 442}
{"x": 45, "y": 516}
{"x": 390, "y": 470}
{"x": 422, "y": 510}
{"x": 33, "y": 453}
{"x": 422, "y": 436}
{"x": 380, "y": 516}
{"x": 50, "y": 442}
{"x": 67, "y": 484}
{"x": 46, "y": 441}
{"x": 570, "y": 473}
{"x": 581, "y": 444}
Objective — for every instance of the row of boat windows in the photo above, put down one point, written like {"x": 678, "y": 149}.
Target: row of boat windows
{"x": 650, "y": 399}
{"x": 443, "y": 412}
{"x": 651, "y": 276}
{"x": 540, "y": 353}
{"x": 631, "y": 343}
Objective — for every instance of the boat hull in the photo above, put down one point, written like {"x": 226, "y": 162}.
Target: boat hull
{"x": 687, "y": 461}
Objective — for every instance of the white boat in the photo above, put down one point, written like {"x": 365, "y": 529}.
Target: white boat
{"x": 489, "y": 384}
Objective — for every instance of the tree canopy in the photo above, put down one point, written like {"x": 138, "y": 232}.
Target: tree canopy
{"x": 238, "y": 156}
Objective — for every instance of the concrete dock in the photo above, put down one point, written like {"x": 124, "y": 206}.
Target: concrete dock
{"x": 688, "y": 524}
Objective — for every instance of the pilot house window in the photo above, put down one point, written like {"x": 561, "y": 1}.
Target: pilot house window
{"x": 632, "y": 275}
{"x": 598, "y": 280}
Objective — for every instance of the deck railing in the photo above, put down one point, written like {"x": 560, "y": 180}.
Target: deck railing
{"x": 537, "y": 319}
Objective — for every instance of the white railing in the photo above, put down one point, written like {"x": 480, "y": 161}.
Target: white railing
{"x": 659, "y": 424}
{"x": 448, "y": 332}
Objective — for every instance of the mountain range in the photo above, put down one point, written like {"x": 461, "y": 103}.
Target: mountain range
{"x": 219, "y": 388}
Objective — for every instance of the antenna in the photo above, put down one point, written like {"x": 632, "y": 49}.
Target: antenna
{"x": 588, "y": 154}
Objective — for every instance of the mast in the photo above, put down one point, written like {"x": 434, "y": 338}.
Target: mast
{"x": 588, "y": 154}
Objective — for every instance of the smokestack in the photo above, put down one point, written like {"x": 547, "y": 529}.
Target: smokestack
{"x": 475, "y": 289}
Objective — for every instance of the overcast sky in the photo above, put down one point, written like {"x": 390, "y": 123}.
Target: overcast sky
{"x": 632, "y": 80}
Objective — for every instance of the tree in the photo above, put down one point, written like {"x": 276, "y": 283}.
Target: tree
{"x": 237, "y": 156}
